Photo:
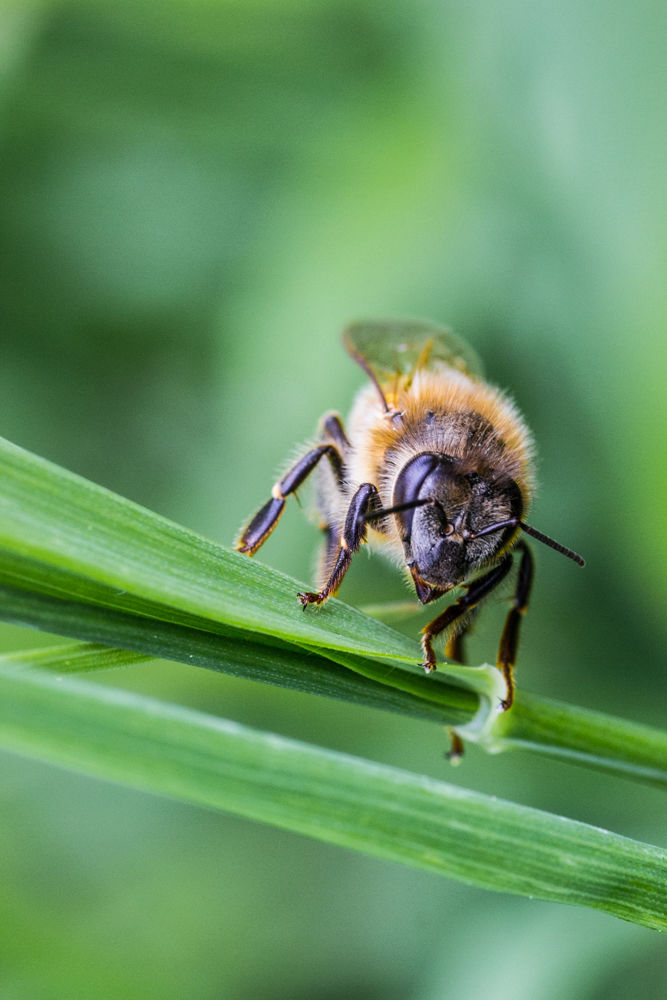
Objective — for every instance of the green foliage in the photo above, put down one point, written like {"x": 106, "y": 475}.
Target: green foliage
{"x": 63, "y": 536}
{"x": 347, "y": 801}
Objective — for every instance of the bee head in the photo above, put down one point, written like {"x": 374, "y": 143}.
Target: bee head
{"x": 444, "y": 511}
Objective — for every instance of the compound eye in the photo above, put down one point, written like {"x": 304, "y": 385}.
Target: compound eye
{"x": 409, "y": 483}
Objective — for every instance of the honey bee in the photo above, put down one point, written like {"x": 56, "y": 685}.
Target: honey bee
{"x": 436, "y": 469}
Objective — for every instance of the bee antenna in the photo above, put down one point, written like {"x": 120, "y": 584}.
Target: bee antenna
{"x": 552, "y": 543}
{"x": 377, "y": 515}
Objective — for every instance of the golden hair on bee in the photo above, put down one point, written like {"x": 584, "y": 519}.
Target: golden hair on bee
{"x": 435, "y": 468}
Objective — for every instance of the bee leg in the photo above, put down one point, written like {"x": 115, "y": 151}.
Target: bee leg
{"x": 332, "y": 427}
{"x": 509, "y": 640}
{"x": 328, "y": 553}
{"x": 454, "y": 648}
{"x": 456, "y": 747}
{"x": 354, "y": 533}
{"x": 475, "y": 592}
{"x": 266, "y": 519}
{"x": 456, "y": 643}
{"x": 331, "y": 498}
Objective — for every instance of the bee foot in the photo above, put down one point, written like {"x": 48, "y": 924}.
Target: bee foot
{"x": 508, "y": 700}
{"x": 308, "y": 597}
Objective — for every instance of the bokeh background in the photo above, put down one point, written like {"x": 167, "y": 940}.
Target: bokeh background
{"x": 195, "y": 197}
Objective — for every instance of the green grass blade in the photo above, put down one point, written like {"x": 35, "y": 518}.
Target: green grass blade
{"x": 584, "y": 736}
{"x": 72, "y": 659}
{"x": 64, "y": 536}
{"x": 78, "y": 560}
{"x": 539, "y": 724}
{"x": 340, "y": 799}
{"x": 241, "y": 654}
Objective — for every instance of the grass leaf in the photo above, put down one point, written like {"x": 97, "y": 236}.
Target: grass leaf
{"x": 354, "y": 803}
{"x": 64, "y": 536}
{"x": 78, "y": 560}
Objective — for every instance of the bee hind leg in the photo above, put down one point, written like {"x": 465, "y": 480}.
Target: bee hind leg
{"x": 265, "y": 520}
{"x": 354, "y": 533}
{"x": 332, "y": 427}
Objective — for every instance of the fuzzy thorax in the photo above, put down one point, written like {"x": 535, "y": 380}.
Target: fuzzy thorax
{"x": 446, "y": 412}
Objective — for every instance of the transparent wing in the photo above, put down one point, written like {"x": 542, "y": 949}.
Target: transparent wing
{"x": 386, "y": 348}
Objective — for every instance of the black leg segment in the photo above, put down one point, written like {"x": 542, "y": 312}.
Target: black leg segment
{"x": 455, "y": 645}
{"x": 354, "y": 534}
{"x": 476, "y": 592}
{"x": 509, "y": 640}
{"x": 261, "y": 526}
{"x": 266, "y": 519}
{"x": 455, "y": 648}
{"x": 332, "y": 427}
{"x": 328, "y": 553}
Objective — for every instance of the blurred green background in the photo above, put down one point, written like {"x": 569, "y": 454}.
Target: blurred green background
{"x": 195, "y": 197}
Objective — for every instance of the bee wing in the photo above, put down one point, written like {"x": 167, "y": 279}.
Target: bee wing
{"x": 386, "y": 348}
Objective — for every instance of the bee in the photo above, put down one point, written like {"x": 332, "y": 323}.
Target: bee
{"x": 436, "y": 469}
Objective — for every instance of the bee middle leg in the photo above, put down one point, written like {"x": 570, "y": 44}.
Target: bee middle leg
{"x": 354, "y": 533}
{"x": 456, "y": 643}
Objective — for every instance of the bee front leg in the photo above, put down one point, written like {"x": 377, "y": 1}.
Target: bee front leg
{"x": 267, "y": 517}
{"x": 354, "y": 533}
{"x": 475, "y": 592}
{"x": 509, "y": 640}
